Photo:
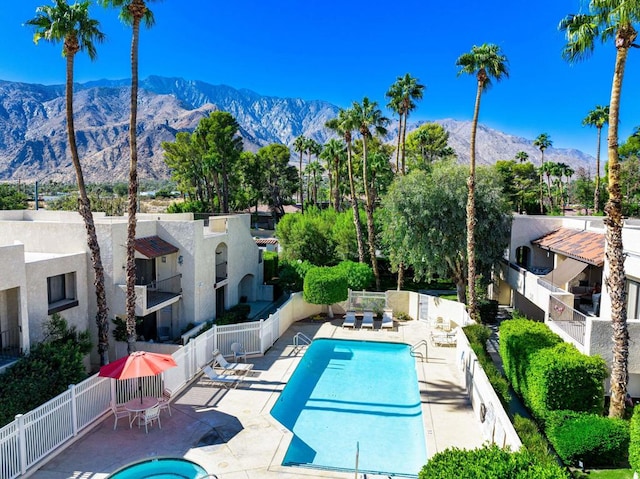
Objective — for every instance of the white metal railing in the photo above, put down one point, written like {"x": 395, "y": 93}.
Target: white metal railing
{"x": 570, "y": 320}
{"x": 34, "y": 435}
{"x": 415, "y": 350}
{"x": 301, "y": 340}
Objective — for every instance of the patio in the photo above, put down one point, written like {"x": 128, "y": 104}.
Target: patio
{"x": 231, "y": 433}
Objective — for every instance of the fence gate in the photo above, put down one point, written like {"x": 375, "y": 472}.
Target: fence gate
{"x": 423, "y": 310}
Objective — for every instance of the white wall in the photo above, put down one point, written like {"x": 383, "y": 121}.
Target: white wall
{"x": 12, "y": 260}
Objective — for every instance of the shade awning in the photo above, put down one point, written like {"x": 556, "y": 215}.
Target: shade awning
{"x": 154, "y": 246}
{"x": 565, "y": 272}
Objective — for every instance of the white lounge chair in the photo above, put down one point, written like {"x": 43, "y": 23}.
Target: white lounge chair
{"x": 233, "y": 368}
{"x": 367, "y": 319}
{"x": 226, "y": 380}
{"x": 349, "y": 320}
{"x": 387, "y": 320}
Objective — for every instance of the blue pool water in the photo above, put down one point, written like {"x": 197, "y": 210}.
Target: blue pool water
{"x": 161, "y": 468}
{"x": 349, "y": 393}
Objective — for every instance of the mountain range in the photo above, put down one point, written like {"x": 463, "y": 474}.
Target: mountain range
{"x": 33, "y": 140}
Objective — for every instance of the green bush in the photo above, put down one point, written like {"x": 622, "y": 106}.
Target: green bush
{"x": 634, "y": 440}
{"x": 562, "y": 377}
{"x": 359, "y": 275}
{"x": 236, "y": 314}
{"x": 402, "y": 316}
{"x": 519, "y": 340}
{"x": 488, "y": 309}
{"x": 47, "y": 371}
{"x": 489, "y": 462}
{"x": 292, "y": 273}
{"x": 594, "y": 440}
{"x": 325, "y": 286}
{"x": 532, "y": 439}
{"x": 270, "y": 265}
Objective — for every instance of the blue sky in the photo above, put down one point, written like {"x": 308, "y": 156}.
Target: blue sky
{"x": 341, "y": 51}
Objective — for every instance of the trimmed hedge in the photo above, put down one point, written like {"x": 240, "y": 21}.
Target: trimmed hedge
{"x": 489, "y": 462}
{"x": 292, "y": 274}
{"x": 519, "y": 340}
{"x": 563, "y": 378}
{"x": 594, "y": 440}
{"x": 359, "y": 275}
{"x": 533, "y": 440}
{"x": 634, "y": 440}
{"x": 325, "y": 286}
{"x": 270, "y": 265}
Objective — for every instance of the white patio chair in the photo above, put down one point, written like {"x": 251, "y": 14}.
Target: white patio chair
{"x": 164, "y": 401}
{"x": 238, "y": 352}
{"x": 148, "y": 416}
{"x": 119, "y": 412}
{"x": 233, "y": 368}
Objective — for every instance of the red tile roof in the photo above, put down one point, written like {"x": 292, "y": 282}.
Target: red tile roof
{"x": 584, "y": 246}
{"x": 154, "y": 246}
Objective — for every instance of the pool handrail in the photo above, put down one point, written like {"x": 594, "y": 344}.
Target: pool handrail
{"x": 301, "y": 340}
{"x": 418, "y": 354}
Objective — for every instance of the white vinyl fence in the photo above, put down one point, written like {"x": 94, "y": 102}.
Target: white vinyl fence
{"x": 34, "y": 435}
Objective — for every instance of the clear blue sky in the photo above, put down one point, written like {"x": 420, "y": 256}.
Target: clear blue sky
{"x": 341, "y": 51}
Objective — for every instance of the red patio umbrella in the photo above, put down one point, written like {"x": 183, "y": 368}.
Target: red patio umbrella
{"x": 137, "y": 365}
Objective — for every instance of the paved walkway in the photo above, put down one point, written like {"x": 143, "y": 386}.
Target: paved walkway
{"x": 231, "y": 433}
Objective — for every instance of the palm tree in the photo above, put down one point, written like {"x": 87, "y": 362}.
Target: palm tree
{"x": 548, "y": 169}
{"x": 314, "y": 170}
{"x": 606, "y": 20}
{"x": 344, "y": 125}
{"x": 597, "y": 117}
{"x": 333, "y": 153}
{"x": 367, "y": 117}
{"x": 484, "y": 62}
{"x": 300, "y": 146}
{"x": 72, "y": 25}
{"x": 542, "y": 142}
{"x": 401, "y": 96}
{"x": 132, "y": 12}
{"x": 522, "y": 156}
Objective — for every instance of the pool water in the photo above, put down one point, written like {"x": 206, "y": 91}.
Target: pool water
{"x": 161, "y": 468}
{"x": 354, "y": 396}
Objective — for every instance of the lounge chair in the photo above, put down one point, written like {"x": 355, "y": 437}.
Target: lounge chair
{"x": 238, "y": 352}
{"x": 367, "y": 319}
{"x": 349, "y": 320}
{"x": 387, "y": 320}
{"x": 226, "y": 380}
{"x": 233, "y": 368}
{"x": 443, "y": 339}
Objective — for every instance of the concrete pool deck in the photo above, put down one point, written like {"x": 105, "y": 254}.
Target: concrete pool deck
{"x": 231, "y": 433}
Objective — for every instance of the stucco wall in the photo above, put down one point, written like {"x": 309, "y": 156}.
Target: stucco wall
{"x": 14, "y": 284}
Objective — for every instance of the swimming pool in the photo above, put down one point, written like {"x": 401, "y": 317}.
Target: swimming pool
{"x": 161, "y": 468}
{"x": 348, "y": 395}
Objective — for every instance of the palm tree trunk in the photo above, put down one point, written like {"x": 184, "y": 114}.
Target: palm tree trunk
{"x": 404, "y": 138}
{"x": 399, "y": 139}
{"x": 300, "y": 196}
{"x": 542, "y": 184}
{"x": 616, "y": 280}
{"x": 400, "y": 276}
{"x": 336, "y": 192}
{"x": 471, "y": 213}
{"x": 133, "y": 193}
{"x": 354, "y": 204}
{"x": 84, "y": 208}
{"x": 596, "y": 193}
{"x": 371, "y": 232}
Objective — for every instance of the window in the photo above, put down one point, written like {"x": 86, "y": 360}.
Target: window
{"x": 61, "y": 292}
{"x": 633, "y": 299}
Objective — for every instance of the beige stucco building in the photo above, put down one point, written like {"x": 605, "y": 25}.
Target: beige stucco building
{"x": 555, "y": 271}
{"x": 188, "y": 271}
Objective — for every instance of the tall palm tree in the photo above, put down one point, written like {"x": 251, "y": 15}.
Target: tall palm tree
{"x": 607, "y": 20}
{"x": 333, "y": 152}
{"x": 132, "y": 12}
{"x": 522, "y": 156}
{"x": 344, "y": 125}
{"x": 300, "y": 146}
{"x": 401, "y": 96}
{"x": 71, "y": 25}
{"x": 368, "y": 119}
{"x": 597, "y": 117}
{"x": 314, "y": 170}
{"x": 484, "y": 62}
{"x": 542, "y": 142}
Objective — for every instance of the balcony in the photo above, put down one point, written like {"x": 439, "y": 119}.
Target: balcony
{"x": 572, "y": 322}
{"x": 9, "y": 345}
{"x": 156, "y": 295}
{"x": 222, "y": 277}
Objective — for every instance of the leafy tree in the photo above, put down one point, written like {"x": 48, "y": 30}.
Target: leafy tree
{"x": 631, "y": 147}
{"x": 630, "y": 183}
{"x": 426, "y": 144}
{"x": 582, "y": 190}
{"x": 518, "y": 184}
{"x": 484, "y": 62}
{"x": 307, "y": 237}
{"x": 401, "y": 96}
{"x": 607, "y": 20}
{"x": 597, "y": 117}
{"x": 280, "y": 179}
{"x": 252, "y": 171}
{"x": 184, "y": 159}
{"x": 78, "y": 32}
{"x": 344, "y": 125}
{"x": 542, "y": 142}
{"x": 11, "y": 198}
{"x": 424, "y": 223}
{"x": 132, "y": 12}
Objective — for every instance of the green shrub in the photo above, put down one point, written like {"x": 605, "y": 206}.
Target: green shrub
{"x": 488, "y": 309}
{"x": 489, "y": 462}
{"x": 292, "y": 273}
{"x": 236, "y": 314}
{"x": 519, "y": 340}
{"x": 594, "y": 440}
{"x": 46, "y": 372}
{"x": 270, "y": 265}
{"x": 359, "y": 275}
{"x": 563, "y": 378}
{"x": 402, "y": 316}
{"x": 634, "y": 440}
{"x": 325, "y": 286}
{"x": 477, "y": 333}
{"x": 532, "y": 439}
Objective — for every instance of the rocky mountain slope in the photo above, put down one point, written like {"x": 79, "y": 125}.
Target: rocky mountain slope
{"x": 33, "y": 142}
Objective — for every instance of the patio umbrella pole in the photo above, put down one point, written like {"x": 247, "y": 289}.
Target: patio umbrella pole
{"x": 357, "y": 457}
{"x": 140, "y": 388}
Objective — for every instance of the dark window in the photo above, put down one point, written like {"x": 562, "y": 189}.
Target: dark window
{"x": 61, "y": 292}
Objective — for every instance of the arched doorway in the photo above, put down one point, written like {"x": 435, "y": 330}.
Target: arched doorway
{"x": 246, "y": 289}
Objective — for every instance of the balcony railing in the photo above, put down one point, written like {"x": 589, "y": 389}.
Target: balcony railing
{"x": 10, "y": 343}
{"x": 221, "y": 272}
{"x": 571, "y": 321}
